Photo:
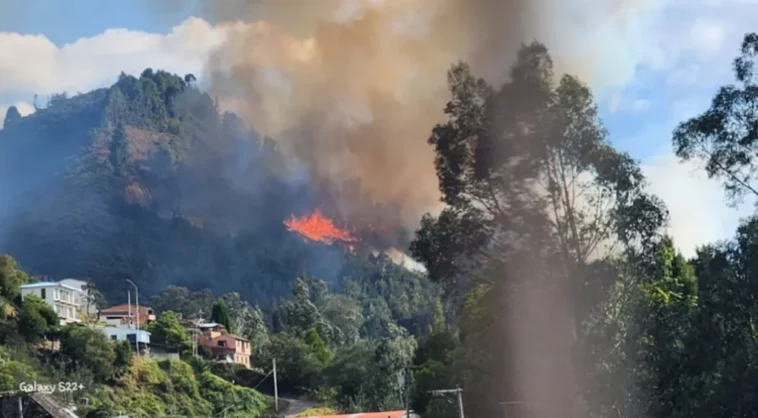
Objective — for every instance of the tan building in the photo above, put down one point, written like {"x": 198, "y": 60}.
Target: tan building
{"x": 223, "y": 346}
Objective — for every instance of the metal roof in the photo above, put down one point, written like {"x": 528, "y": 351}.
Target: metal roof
{"x": 48, "y": 284}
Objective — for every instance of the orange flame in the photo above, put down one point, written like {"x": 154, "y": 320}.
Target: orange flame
{"x": 317, "y": 227}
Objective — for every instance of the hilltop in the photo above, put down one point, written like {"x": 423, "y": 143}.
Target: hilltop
{"x": 148, "y": 180}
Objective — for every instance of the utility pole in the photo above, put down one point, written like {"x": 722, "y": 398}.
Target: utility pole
{"x": 457, "y": 391}
{"x": 460, "y": 403}
{"x": 129, "y": 306}
{"x": 197, "y": 333}
{"x": 136, "y": 297}
{"x": 276, "y": 390}
{"x": 20, "y": 406}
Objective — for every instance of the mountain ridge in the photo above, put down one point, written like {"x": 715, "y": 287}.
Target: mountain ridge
{"x": 148, "y": 180}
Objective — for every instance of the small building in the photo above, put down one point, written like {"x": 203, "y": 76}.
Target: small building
{"x": 64, "y": 299}
{"x": 228, "y": 348}
{"x": 223, "y": 346}
{"x": 126, "y": 315}
{"x": 127, "y": 334}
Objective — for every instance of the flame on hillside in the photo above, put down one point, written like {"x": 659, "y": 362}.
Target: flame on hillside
{"x": 317, "y": 227}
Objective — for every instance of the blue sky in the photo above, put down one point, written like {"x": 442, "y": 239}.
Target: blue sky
{"x": 651, "y": 65}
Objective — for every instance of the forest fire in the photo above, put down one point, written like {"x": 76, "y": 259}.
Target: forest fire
{"x": 317, "y": 227}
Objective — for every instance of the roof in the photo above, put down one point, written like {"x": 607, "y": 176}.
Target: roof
{"x": 225, "y": 336}
{"x": 228, "y": 336}
{"x": 388, "y": 414}
{"x": 47, "y": 284}
{"x": 124, "y": 308}
{"x": 74, "y": 281}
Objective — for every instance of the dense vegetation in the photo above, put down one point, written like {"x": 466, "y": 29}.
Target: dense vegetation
{"x": 344, "y": 349}
{"x": 114, "y": 380}
{"x": 559, "y": 294}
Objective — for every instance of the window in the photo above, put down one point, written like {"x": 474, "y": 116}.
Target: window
{"x": 43, "y": 293}
{"x": 222, "y": 343}
{"x": 114, "y": 338}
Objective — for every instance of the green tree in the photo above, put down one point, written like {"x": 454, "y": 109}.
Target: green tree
{"x": 36, "y": 318}
{"x": 167, "y": 330}
{"x": 345, "y": 314}
{"x": 89, "y": 348}
{"x": 724, "y": 136}
{"x": 11, "y": 116}
{"x": 120, "y": 157}
{"x": 124, "y": 357}
{"x": 220, "y": 315}
{"x": 318, "y": 345}
{"x": 180, "y": 300}
{"x": 300, "y": 314}
{"x": 11, "y": 278}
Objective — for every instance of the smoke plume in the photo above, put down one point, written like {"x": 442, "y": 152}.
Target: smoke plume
{"x": 352, "y": 89}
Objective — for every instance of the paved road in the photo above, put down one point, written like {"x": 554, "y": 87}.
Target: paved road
{"x": 296, "y": 406}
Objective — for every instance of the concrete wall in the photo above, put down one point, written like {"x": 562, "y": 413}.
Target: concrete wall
{"x": 121, "y": 334}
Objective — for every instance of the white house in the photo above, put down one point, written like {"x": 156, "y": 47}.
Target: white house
{"x": 91, "y": 308}
{"x": 64, "y": 299}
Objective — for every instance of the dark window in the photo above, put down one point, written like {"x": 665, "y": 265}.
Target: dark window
{"x": 42, "y": 292}
{"x": 222, "y": 343}
{"x": 113, "y": 337}
{"x": 131, "y": 337}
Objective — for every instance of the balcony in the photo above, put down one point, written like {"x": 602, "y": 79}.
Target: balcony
{"x": 66, "y": 298}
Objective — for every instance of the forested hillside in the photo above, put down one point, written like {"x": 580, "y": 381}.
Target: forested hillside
{"x": 146, "y": 180}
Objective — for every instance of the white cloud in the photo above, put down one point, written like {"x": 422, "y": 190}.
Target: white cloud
{"x": 33, "y": 64}
{"x": 707, "y": 37}
{"x": 617, "y": 103}
{"x": 698, "y": 209}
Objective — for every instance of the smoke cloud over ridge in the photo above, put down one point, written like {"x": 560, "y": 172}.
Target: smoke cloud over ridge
{"x": 353, "y": 89}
